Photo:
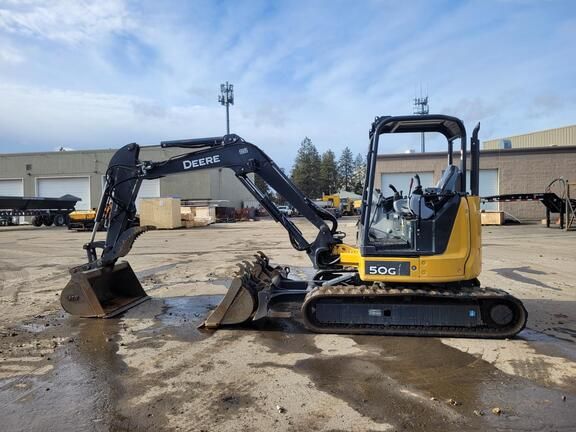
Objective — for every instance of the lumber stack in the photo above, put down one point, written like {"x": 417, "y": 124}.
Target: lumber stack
{"x": 492, "y": 218}
{"x": 193, "y": 217}
{"x": 163, "y": 213}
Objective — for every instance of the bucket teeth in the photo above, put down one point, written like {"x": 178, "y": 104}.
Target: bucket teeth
{"x": 241, "y": 302}
{"x": 262, "y": 256}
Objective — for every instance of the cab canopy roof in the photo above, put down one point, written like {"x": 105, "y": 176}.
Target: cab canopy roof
{"x": 451, "y": 127}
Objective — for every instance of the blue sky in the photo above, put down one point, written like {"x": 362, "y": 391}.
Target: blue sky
{"x": 98, "y": 74}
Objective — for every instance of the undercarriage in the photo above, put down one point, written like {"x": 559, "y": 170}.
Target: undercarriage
{"x": 338, "y": 302}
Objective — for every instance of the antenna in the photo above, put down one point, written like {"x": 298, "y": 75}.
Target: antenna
{"x": 421, "y": 108}
{"x": 226, "y": 98}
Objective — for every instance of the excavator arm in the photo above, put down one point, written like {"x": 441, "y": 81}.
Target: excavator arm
{"x": 103, "y": 287}
{"x": 126, "y": 173}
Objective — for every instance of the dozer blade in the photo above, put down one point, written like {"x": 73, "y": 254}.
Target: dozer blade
{"x": 102, "y": 292}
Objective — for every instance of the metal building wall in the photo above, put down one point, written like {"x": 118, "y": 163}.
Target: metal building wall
{"x": 564, "y": 136}
{"x": 519, "y": 171}
{"x": 93, "y": 164}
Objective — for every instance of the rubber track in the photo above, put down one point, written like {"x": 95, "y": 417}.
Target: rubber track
{"x": 377, "y": 290}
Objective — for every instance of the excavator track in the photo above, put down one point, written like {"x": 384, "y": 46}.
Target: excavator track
{"x": 405, "y": 311}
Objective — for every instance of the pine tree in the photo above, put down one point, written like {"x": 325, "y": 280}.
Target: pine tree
{"x": 305, "y": 172}
{"x": 359, "y": 174}
{"x": 346, "y": 169}
{"x": 328, "y": 173}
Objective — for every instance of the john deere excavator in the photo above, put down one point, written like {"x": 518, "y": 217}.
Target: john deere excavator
{"x": 414, "y": 270}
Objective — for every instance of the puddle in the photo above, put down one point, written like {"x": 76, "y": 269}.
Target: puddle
{"x": 551, "y": 344}
{"x": 177, "y": 310}
{"x": 396, "y": 378}
{"x": 84, "y": 369}
{"x": 80, "y": 386}
{"x": 408, "y": 382}
{"x": 285, "y": 336}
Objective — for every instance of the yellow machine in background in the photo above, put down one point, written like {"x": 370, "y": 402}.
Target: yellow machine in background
{"x": 345, "y": 205}
{"x": 81, "y": 219}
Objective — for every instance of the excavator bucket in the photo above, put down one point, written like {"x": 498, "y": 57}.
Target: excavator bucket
{"x": 248, "y": 294}
{"x": 102, "y": 292}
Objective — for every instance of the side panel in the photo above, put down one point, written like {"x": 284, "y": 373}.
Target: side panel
{"x": 451, "y": 264}
{"x": 474, "y": 263}
{"x": 460, "y": 261}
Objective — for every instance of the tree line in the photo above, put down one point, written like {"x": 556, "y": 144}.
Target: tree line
{"x": 316, "y": 174}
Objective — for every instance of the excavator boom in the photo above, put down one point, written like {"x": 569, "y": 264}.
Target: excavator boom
{"x": 103, "y": 288}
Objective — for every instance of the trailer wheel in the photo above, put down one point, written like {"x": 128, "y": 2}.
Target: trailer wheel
{"x": 48, "y": 220}
{"x": 60, "y": 220}
{"x": 37, "y": 221}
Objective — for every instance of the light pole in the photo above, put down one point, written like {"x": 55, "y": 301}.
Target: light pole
{"x": 226, "y": 98}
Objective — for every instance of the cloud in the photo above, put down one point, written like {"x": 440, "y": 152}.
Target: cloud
{"x": 148, "y": 109}
{"x": 67, "y": 21}
{"x": 10, "y": 56}
{"x": 99, "y": 74}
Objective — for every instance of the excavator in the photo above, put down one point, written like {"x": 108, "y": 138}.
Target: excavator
{"x": 414, "y": 270}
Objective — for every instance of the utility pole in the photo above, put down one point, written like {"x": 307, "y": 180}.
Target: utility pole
{"x": 421, "y": 108}
{"x": 226, "y": 98}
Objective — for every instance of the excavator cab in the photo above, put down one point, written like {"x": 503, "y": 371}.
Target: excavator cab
{"x": 420, "y": 222}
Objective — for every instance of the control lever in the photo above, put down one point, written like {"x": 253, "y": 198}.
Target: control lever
{"x": 397, "y": 194}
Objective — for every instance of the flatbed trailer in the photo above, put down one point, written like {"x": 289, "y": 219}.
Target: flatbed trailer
{"x": 552, "y": 202}
{"x": 44, "y": 211}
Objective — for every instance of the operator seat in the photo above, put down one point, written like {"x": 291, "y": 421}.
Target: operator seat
{"x": 449, "y": 183}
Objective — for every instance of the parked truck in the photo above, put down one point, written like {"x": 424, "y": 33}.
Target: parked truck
{"x": 44, "y": 211}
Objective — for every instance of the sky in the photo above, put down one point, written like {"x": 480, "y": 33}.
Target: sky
{"x": 85, "y": 74}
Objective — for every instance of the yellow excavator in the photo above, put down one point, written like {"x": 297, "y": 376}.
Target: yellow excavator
{"x": 414, "y": 270}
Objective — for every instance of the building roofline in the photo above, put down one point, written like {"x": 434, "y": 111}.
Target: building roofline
{"x": 44, "y": 153}
{"x": 530, "y": 133}
{"x": 53, "y": 152}
{"x": 502, "y": 152}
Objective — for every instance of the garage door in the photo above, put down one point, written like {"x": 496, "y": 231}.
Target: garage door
{"x": 11, "y": 187}
{"x": 148, "y": 189}
{"x": 55, "y": 187}
{"x": 488, "y": 186}
{"x": 402, "y": 181}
